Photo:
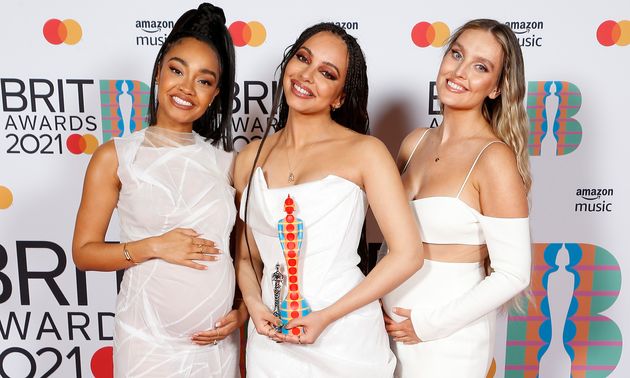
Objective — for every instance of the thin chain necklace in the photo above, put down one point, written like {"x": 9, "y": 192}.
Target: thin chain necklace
{"x": 437, "y": 153}
{"x": 291, "y": 177}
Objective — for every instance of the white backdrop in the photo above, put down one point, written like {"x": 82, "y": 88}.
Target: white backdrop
{"x": 74, "y": 73}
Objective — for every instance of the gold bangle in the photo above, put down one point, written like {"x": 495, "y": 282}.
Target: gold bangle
{"x": 127, "y": 255}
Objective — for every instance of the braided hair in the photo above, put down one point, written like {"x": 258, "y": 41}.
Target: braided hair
{"x": 352, "y": 113}
{"x": 206, "y": 24}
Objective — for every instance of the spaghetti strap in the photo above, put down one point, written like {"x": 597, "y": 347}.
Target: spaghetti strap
{"x": 414, "y": 150}
{"x": 473, "y": 166}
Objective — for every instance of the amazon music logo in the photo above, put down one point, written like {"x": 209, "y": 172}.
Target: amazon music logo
{"x": 595, "y": 200}
{"x": 347, "y": 25}
{"x": 152, "y": 32}
{"x": 528, "y": 33}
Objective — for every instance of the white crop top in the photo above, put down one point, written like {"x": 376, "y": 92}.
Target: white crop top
{"x": 448, "y": 220}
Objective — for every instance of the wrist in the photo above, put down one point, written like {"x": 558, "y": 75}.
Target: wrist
{"x": 128, "y": 255}
{"x": 146, "y": 249}
{"x": 137, "y": 251}
{"x": 329, "y": 314}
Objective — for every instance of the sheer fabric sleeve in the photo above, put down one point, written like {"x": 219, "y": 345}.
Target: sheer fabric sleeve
{"x": 508, "y": 241}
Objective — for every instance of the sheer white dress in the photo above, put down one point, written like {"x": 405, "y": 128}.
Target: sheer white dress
{"x": 171, "y": 180}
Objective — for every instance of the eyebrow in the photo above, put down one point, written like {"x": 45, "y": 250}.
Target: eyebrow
{"x": 325, "y": 62}
{"x": 482, "y": 59}
{"x": 185, "y": 64}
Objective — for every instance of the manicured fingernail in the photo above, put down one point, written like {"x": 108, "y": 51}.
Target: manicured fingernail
{"x": 217, "y": 325}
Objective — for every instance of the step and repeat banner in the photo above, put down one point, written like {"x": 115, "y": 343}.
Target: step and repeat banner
{"x": 74, "y": 74}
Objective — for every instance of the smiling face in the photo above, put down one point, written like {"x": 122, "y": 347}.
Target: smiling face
{"x": 187, "y": 83}
{"x": 470, "y": 71}
{"x": 315, "y": 76}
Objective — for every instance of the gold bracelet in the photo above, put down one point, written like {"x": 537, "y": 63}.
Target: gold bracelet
{"x": 127, "y": 255}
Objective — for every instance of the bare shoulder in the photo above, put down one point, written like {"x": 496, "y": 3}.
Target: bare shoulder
{"x": 102, "y": 171}
{"x": 408, "y": 145}
{"x": 372, "y": 160}
{"x": 409, "y": 142}
{"x": 105, "y": 156}
{"x": 501, "y": 187}
{"x": 243, "y": 163}
{"x": 248, "y": 152}
{"x": 497, "y": 159}
{"x": 368, "y": 148}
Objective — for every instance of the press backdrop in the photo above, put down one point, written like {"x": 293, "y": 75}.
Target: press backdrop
{"x": 73, "y": 74}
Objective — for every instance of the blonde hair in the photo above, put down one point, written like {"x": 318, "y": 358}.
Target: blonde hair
{"x": 506, "y": 113}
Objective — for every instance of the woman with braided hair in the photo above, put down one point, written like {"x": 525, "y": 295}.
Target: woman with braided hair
{"x": 319, "y": 171}
{"x": 172, "y": 186}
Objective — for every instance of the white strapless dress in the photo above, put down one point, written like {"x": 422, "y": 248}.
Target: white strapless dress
{"x": 333, "y": 211}
{"x": 167, "y": 185}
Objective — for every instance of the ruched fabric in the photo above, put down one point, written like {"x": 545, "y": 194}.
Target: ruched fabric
{"x": 174, "y": 180}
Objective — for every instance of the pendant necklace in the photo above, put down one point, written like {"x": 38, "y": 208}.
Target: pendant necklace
{"x": 291, "y": 177}
{"x": 437, "y": 152}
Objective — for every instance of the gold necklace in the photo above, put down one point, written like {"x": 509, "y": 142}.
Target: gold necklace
{"x": 437, "y": 154}
{"x": 291, "y": 177}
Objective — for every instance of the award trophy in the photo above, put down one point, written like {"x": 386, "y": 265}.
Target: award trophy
{"x": 290, "y": 234}
{"x": 277, "y": 279}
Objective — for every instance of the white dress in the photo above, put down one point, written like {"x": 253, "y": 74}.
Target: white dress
{"x": 332, "y": 210}
{"x": 171, "y": 180}
{"x": 453, "y": 305}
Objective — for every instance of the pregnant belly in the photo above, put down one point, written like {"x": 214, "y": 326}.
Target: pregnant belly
{"x": 176, "y": 300}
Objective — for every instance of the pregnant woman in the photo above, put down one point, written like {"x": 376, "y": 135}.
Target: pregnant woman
{"x": 171, "y": 184}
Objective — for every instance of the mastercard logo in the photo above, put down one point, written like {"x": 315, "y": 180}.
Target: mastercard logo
{"x": 614, "y": 33}
{"x": 251, "y": 33}
{"x": 82, "y": 144}
{"x": 67, "y": 31}
{"x": 102, "y": 365}
{"x": 6, "y": 197}
{"x": 425, "y": 34}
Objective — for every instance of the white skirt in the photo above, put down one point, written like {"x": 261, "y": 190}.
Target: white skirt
{"x": 466, "y": 353}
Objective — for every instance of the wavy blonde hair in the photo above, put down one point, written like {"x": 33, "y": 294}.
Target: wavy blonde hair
{"x": 506, "y": 113}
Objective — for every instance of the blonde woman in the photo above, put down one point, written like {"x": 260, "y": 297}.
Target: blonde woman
{"x": 468, "y": 181}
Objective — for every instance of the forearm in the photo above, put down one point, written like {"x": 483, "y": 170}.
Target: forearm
{"x": 107, "y": 257}
{"x": 248, "y": 281}
{"x": 388, "y": 274}
{"x": 510, "y": 257}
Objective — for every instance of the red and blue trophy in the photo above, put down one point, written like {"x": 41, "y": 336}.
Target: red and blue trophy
{"x": 290, "y": 234}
